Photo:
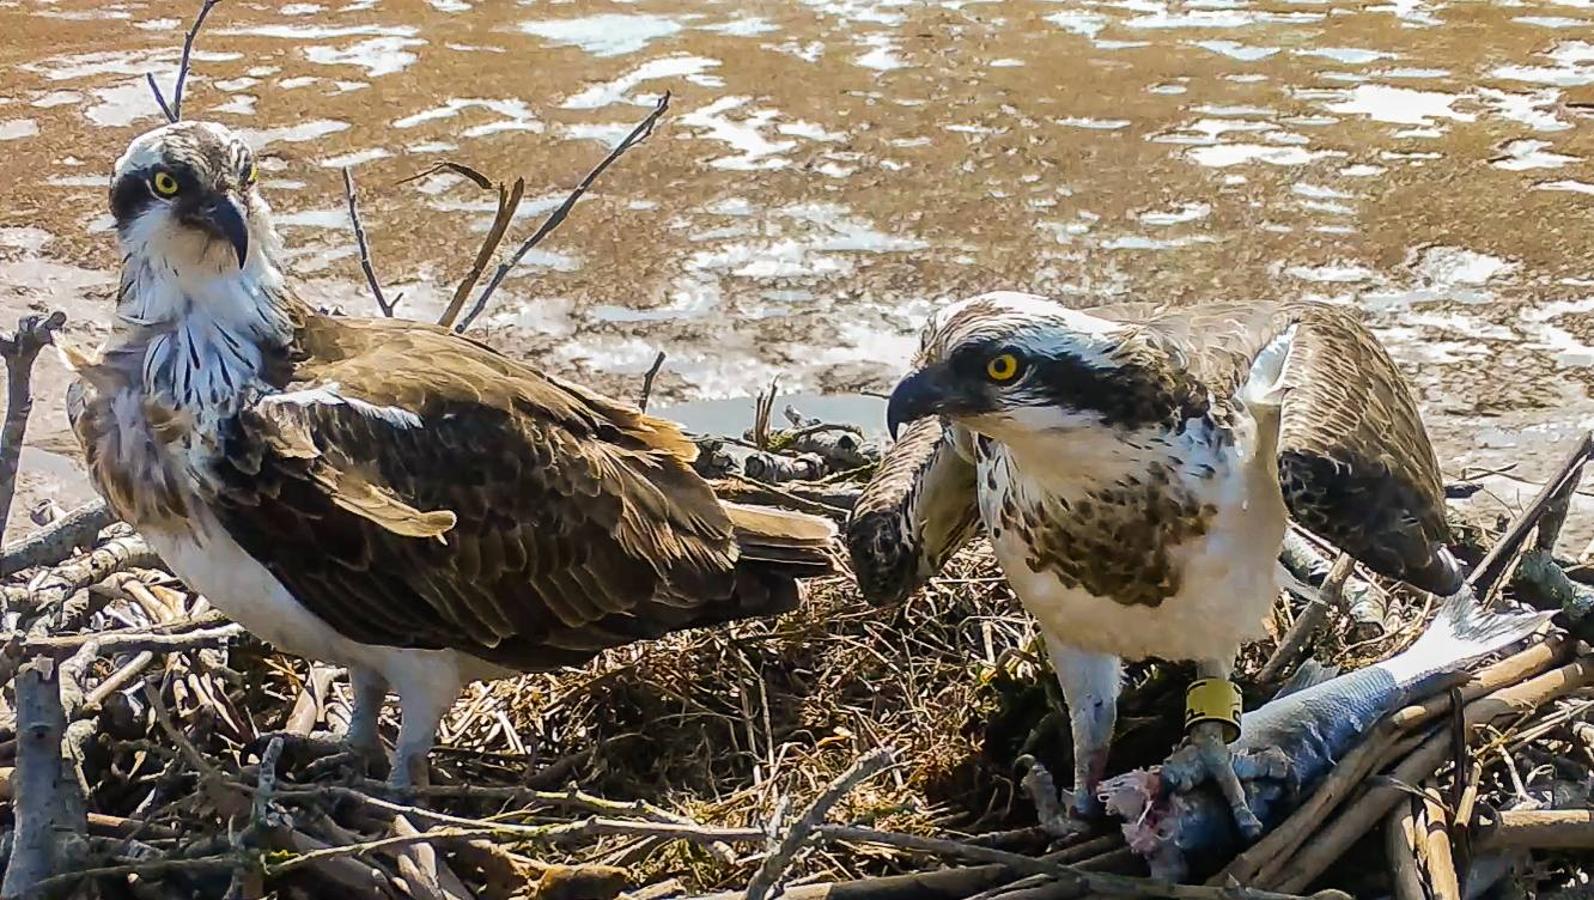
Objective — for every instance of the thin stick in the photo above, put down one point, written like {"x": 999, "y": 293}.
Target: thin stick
{"x": 1490, "y": 571}
{"x": 508, "y": 204}
{"x": 20, "y": 350}
{"x": 1311, "y": 618}
{"x": 647, "y": 381}
{"x": 1082, "y": 879}
{"x": 174, "y": 112}
{"x": 56, "y": 541}
{"x": 785, "y": 851}
{"x": 365, "y": 248}
{"x": 637, "y": 136}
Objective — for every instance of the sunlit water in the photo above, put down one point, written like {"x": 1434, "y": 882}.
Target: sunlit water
{"x": 831, "y": 169}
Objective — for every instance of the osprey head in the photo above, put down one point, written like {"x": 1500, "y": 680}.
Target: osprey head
{"x": 1010, "y": 365}
{"x": 185, "y": 194}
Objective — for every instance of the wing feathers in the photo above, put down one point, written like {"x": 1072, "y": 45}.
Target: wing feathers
{"x": 567, "y": 522}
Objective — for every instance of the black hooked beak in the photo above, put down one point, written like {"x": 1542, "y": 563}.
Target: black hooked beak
{"x": 920, "y": 394}
{"x": 220, "y": 216}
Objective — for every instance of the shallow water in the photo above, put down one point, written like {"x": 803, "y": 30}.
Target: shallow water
{"x": 831, "y": 169}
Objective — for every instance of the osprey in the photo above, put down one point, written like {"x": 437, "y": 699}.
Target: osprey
{"x": 1134, "y": 468}
{"x": 385, "y": 494}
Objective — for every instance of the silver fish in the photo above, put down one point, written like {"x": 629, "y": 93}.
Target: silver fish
{"x": 1290, "y": 744}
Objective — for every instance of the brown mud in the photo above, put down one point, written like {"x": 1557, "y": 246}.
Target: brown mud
{"x": 833, "y": 168}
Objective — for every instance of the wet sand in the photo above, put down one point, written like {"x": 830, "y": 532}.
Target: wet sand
{"x": 832, "y": 169}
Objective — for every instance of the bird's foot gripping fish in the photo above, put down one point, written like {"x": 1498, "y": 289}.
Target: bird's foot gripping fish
{"x": 1176, "y": 821}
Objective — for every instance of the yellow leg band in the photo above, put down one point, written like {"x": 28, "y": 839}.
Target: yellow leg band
{"x": 1213, "y": 700}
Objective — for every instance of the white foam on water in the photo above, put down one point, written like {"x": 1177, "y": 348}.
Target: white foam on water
{"x": 680, "y": 65}
{"x": 1093, "y": 124}
{"x": 1386, "y": 103}
{"x": 1221, "y": 156}
{"x": 355, "y": 158}
{"x": 882, "y": 54}
{"x": 1237, "y": 50}
{"x": 312, "y": 130}
{"x": 754, "y": 150}
{"x": 312, "y": 32}
{"x": 1184, "y": 212}
{"x": 16, "y": 129}
{"x": 1351, "y": 56}
{"x": 745, "y": 26}
{"x": 1530, "y": 154}
{"x": 1570, "y": 185}
{"x": 1551, "y": 21}
{"x": 1362, "y": 170}
{"x": 377, "y": 56}
{"x": 606, "y": 34}
{"x": 56, "y": 98}
{"x": 1332, "y": 273}
{"x": 515, "y": 115}
{"x": 1537, "y": 110}
{"x": 1573, "y": 65}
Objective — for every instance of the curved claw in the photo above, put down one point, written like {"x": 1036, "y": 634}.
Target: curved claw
{"x": 1207, "y": 758}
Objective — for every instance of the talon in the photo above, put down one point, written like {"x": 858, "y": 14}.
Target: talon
{"x": 1207, "y": 740}
{"x": 1062, "y": 813}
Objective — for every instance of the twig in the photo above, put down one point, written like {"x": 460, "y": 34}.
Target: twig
{"x": 20, "y": 350}
{"x": 508, "y": 204}
{"x": 780, "y": 858}
{"x": 1311, "y": 618}
{"x": 114, "y": 642}
{"x": 637, "y": 135}
{"x": 1490, "y": 571}
{"x": 163, "y": 716}
{"x": 647, "y": 381}
{"x": 365, "y": 248}
{"x": 174, "y": 112}
{"x": 150, "y": 868}
{"x": 1083, "y": 879}
{"x": 67, "y": 579}
{"x": 56, "y": 541}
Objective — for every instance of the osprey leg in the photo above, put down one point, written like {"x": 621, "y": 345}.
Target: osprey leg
{"x": 424, "y": 695}
{"x": 1212, "y": 719}
{"x": 370, "y": 692}
{"x": 1090, "y": 683}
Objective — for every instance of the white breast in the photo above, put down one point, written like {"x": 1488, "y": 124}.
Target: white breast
{"x": 1228, "y": 575}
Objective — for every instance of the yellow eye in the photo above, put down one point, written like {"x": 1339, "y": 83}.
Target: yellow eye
{"x": 1002, "y": 367}
{"x": 164, "y": 184}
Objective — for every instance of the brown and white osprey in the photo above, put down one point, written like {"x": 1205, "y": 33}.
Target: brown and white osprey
{"x": 1134, "y": 468}
{"x": 384, "y": 494}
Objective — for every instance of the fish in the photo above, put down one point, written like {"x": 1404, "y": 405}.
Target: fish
{"x": 1290, "y": 744}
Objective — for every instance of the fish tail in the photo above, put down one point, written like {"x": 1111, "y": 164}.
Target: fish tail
{"x": 1464, "y": 630}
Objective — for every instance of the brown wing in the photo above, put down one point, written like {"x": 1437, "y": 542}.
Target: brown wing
{"x": 413, "y": 488}
{"x": 918, "y": 509}
{"x": 1355, "y": 463}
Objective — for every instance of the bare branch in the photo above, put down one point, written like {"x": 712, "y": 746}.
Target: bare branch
{"x": 365, "y": 248}
{"x": 20, "y": 350}
{"x": 508, "y": 203}
{"x": 780, "y": 858}
{"x": 647, "y": 381}
{"x": 56, "y": 541}
{"x": 555, "y": 218}
{"x": 174, "y": 111}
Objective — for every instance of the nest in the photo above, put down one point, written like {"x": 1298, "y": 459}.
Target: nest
{"x": 155, "y": 749}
